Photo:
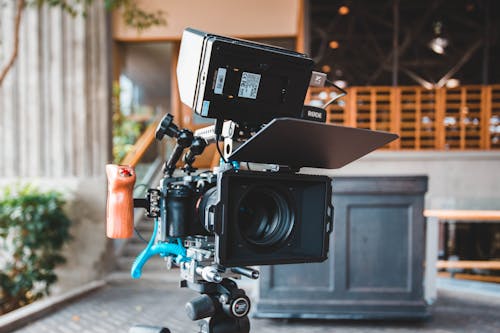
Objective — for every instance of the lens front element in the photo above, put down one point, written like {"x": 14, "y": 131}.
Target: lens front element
{"x": 265, "y": 217}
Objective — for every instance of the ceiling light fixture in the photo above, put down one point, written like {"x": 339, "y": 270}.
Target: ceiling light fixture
{"x": 452, "y": 83}
{"x": 344, "y": 10}
{"x": 439, "y": 43}
{"x": 334, "y": 44}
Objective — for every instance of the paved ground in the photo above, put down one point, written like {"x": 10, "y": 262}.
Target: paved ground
{"x": 122, "y": 304}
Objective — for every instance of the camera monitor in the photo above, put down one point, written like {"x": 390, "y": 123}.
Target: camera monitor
{"x": 226, "y": 78}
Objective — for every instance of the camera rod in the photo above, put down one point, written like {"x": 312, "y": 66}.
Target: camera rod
{"x": 197, "y": 148}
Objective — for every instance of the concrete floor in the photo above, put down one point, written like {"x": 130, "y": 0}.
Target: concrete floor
{"x": 124, "y": 303}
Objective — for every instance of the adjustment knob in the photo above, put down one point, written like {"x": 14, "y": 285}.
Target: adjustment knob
{"x": 200, "y": 307}
{"x": 238, "y": 306}
{"x": 166, "y": 127}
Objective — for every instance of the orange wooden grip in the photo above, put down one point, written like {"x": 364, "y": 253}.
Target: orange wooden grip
{"x": 120, "y": 206}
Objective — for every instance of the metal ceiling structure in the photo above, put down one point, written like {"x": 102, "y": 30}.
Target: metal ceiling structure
{"x": 432, "y": 43}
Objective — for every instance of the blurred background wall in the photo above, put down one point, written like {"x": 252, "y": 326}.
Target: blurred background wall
{"x": 55, "y": 122}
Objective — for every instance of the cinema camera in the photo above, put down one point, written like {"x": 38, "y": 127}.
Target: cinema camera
{"x": 213, "y": 225}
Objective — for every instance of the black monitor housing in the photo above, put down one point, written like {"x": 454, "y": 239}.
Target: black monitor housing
{"x": 231, "y": 79}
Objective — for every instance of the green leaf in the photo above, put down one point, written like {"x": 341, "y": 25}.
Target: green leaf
{"x": 37, "y": 229}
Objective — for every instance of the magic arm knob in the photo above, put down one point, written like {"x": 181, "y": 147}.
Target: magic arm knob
{"x": 201, "y": 307}
{"x": 120, "y": 205}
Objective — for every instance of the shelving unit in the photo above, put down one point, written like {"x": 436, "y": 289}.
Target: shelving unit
{"x": 462, "y": 118}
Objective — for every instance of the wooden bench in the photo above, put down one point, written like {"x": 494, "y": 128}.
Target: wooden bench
{"x": 473, "y": 277}
{"x": 464, "y": 215}
{"x": 434, "y": 217}
{"x": 469, "y": 264}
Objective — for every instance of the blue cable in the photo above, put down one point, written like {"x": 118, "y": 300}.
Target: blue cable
{"x": 162, "y": 249}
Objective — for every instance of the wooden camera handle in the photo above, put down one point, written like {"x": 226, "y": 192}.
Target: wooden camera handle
{"x": 120, "y": 205}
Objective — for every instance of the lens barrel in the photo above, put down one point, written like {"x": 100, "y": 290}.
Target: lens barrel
{"x": 264, "y": 217}
{"x": 207, "y": 200}
{"x": 267, "y": 218}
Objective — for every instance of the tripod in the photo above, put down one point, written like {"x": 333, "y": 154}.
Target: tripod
{"x": 222, "y": 306}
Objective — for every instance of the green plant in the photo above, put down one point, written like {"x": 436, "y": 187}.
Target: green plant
{"x": 125, "y": 131}
{"x": 33, "y": 229}
{"x": 125, "y": 134}
{"x": 132, "y": 14}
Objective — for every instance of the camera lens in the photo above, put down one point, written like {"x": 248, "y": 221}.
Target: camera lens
{"x": 264, "y": 217}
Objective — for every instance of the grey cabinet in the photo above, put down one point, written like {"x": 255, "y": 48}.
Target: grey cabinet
{"x": 376, "y": 261}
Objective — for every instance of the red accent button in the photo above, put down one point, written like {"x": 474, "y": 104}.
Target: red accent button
{"x": 125, "y": 172}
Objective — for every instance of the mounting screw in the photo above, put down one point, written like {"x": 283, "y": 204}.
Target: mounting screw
{"x": 224, "y": 298}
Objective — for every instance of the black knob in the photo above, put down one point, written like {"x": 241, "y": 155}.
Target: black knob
{"x": 238, "y": 306}
{"x": 167, "y": 127}
{"x": 200, "y": 307}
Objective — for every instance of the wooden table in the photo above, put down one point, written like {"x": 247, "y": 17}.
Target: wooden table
{"x": 434, "y": 217}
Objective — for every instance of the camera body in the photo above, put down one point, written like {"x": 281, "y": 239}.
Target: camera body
{"x": 179, "y": 200}
{"x": 252, "y": 217}
{"x": 213, "y": 224}
{"x": 235, "y": 216}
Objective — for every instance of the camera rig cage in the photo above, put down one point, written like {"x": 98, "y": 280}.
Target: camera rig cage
{"x": 213, "y": 225}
